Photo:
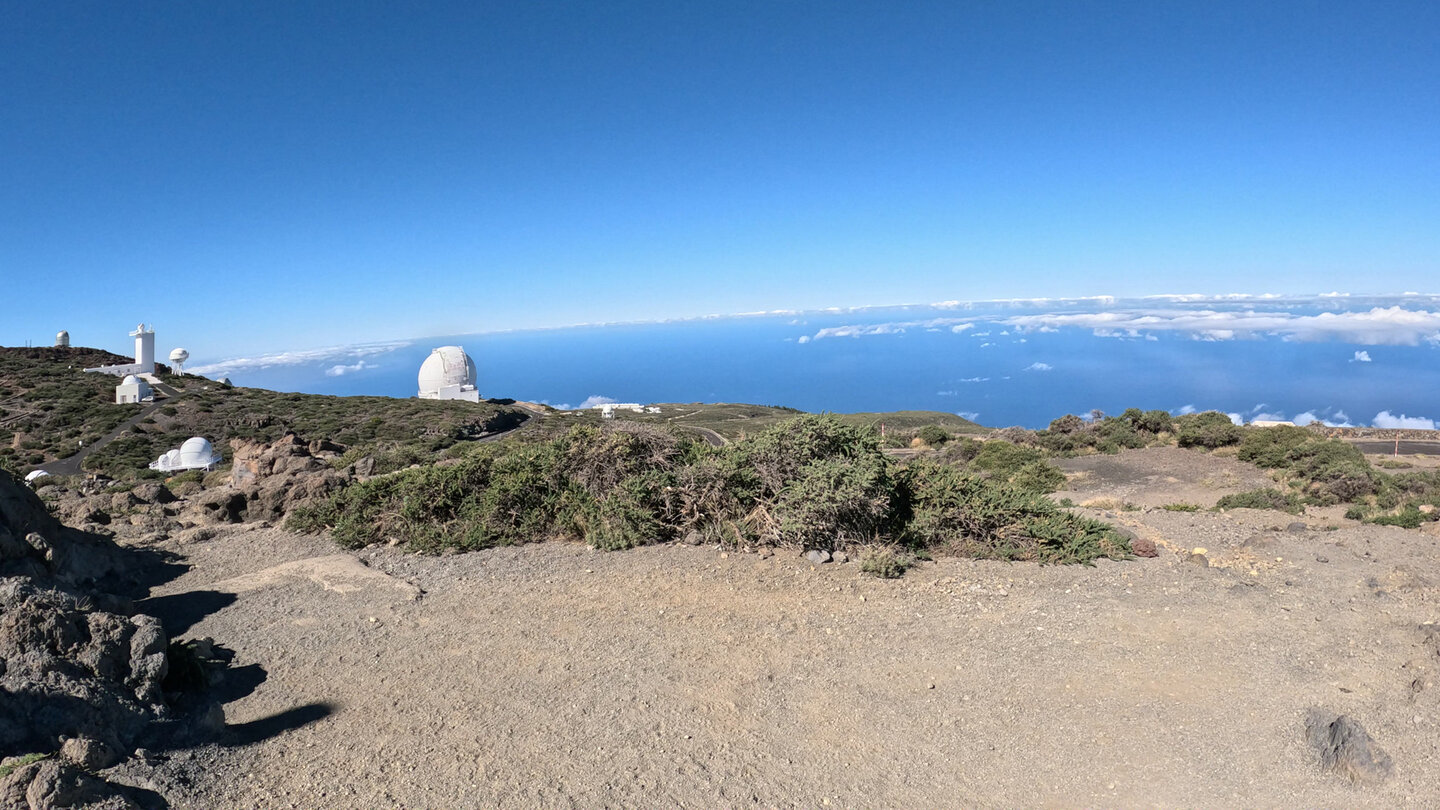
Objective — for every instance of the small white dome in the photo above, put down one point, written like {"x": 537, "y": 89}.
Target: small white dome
{"x": 446, "y": 366}
{"x": 130, "y": 379}
{"x": 197, "y": 452}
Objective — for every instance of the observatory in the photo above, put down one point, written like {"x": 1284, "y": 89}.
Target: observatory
{"x": 178, "y": 358}
{"x": 448, "y": 373}
{"x": 195, "y": 454}
{"x": 144, "y": 354}
{"x": 62, "y": 339}
{"x": 132, "y": 391}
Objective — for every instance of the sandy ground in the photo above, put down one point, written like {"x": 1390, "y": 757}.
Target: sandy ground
{"x": 670, "y": 676}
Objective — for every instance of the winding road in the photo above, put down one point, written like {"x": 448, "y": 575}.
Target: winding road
{"x": 71, "y": 464}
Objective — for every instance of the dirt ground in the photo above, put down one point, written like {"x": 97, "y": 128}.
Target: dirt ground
{"x": 673, "y": 676}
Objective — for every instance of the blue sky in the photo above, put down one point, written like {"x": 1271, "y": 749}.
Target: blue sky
{"x": 256, "y": 177}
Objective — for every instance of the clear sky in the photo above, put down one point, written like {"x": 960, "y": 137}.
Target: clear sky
{"x": 256, "y": 176}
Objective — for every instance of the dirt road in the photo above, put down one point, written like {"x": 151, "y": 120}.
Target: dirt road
{"x": 671, "y": 676}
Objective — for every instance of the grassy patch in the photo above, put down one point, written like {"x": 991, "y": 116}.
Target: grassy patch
{"x": 1180, "y": 507}
{"x": 21, "y": 761}
{"x": 885, "y": 562}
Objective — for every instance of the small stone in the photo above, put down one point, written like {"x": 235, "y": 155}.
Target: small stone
{"x": 818, "y": 556}
{"x": 1297, "y": 527}
{"x": 1199, "y": 550}
{"x": 1322, "y": 559}
{"x": 694, "y": 538}
{"x": 1199, "y": 559}
{"x": 87, "y": 753}
{"x": 1143, "y": 547}
{"x": 840, "y": 557}
{"x": 1345, "y": 748}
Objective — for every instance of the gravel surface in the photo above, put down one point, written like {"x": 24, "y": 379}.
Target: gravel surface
{"x": 556, "y": 676}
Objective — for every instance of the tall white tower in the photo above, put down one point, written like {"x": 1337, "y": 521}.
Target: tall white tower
{"x": 144, "y": 348}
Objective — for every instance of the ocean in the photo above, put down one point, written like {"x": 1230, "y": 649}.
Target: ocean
{"x": 1345, "y": 360}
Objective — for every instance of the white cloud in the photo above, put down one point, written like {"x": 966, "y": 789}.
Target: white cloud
{"x": 975, "y": 379}
{"x": 1385, "y": 419}
{"x": 1236, "y": 418}
{"x": 1329, "y": 419}
{"x": 340, "y": 370}
{"x": 332, "y": 354}
{"x": 893, "y": 328}
{"x": 593, "y": 400}
{"x": 803, "y": 339}
{"x": 1379, "y": 326}
{"x": 973, "y": 416}
{"x": 1268, "y": 417}
{"x": 1184, "y": 409}
{"x": 1037, "y": 366}
{"x": 1361, "y": 357}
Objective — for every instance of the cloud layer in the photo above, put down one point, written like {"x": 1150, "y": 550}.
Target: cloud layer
{"x": 336, "y": 355}
{"x": 1380, "y": 326}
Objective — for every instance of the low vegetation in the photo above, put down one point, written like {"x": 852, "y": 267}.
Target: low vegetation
{"x": 810, "y": 482}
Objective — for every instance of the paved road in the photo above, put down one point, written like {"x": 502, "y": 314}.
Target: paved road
{"x": 715, "y": 439}
{"x": 71, "y": 465}
{"x": 1407, "y": 448}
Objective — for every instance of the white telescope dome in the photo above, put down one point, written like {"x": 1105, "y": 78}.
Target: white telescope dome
{"x": 130, "y": 379}
{"x": 446, "y": 366}
{"x": 197, "y": 452}
{"x": 179, "y": 356}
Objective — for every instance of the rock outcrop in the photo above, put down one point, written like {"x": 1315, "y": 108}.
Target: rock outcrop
{"x": 276, "y": 477}
{"x": 80, "y": 672}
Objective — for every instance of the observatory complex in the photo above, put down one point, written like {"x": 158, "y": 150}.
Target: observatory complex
{"x": 448, "y": 373}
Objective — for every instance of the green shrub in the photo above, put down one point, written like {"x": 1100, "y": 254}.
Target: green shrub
{"x": 933, "y": 435}
{"x": 1409, "y": 518}
{"x": 1022, "y": 466}
{"x": 811, "y": 482}
{"x": 1261, "y": 499}
{"x": 1180, "y": 507}
{"x": 966, "y": 514}
{"x": 1210, "y": 430}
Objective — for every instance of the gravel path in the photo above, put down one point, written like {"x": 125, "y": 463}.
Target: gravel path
{"x": 556, "y": 676}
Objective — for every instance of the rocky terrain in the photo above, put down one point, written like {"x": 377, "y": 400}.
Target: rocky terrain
{"x": 1257, "y": 659}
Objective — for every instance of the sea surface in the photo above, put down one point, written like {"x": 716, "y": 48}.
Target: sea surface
{"x": 1350, "y": 360}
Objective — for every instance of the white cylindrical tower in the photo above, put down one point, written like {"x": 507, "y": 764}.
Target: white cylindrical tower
{"x": 62, "y": 339}
{"x": 144, "y": 348}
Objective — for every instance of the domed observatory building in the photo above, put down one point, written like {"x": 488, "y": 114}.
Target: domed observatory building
{"x": 195, "y": 454}
{"x": 448, "y": 373}
{"x": 132, "y": 390}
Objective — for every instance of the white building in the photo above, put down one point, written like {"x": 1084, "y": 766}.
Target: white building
{"x": 62, "y": 339}
{"x": 132, "y": 390}
{"x": 144, "y": 355}
{"x": 448, "y": 373}
{"x": 195, "y": 454}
